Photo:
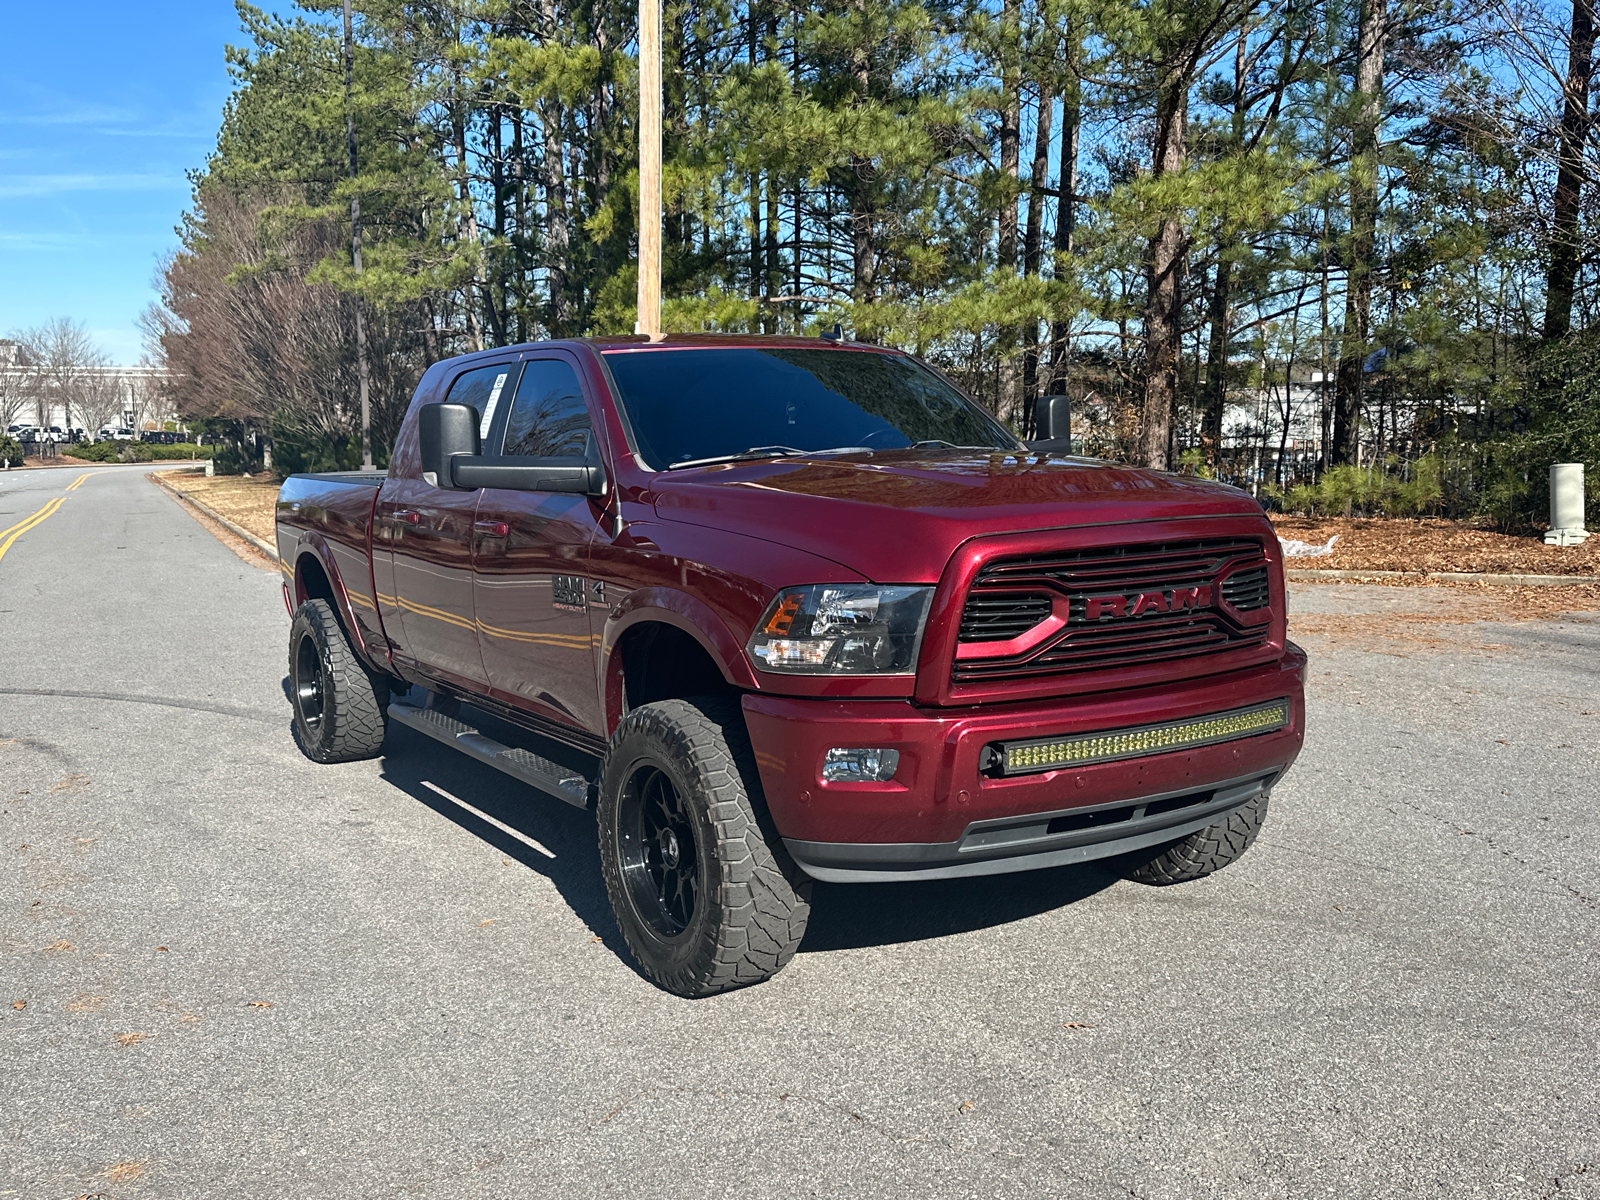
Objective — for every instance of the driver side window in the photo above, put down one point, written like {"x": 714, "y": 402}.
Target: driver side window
{"x": 548, "y": 417}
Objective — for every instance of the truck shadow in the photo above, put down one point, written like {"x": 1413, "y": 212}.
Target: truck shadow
{"x": 851, "y": 916}
{"x": 843, "y": 916}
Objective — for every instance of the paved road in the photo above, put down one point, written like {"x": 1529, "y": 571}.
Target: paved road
{"x": 349, "y": 985}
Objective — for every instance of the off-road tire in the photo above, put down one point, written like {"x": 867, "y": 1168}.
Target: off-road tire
{"x": 1204, "y": 851}
{"x": 351, "y": 704}
{"x": 752, "y": 902}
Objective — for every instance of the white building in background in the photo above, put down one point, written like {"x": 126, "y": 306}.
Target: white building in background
{"x": 121, "y": 397}
{"x": 1256, "y": 422}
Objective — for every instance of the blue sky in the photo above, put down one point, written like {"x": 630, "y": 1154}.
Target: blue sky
{"x": 103, "y": 108}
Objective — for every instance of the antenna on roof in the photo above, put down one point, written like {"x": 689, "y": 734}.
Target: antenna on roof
{"x": 836, "y": 334}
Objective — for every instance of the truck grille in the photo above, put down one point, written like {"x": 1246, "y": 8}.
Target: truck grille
{"x": 1193, "y": 615}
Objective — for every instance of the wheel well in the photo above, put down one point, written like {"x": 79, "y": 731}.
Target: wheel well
{"x": 662, "y": 662}
{"x": 311, "y": 582}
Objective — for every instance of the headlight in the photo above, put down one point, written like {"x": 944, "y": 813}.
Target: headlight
{"x": 842, "y": 629}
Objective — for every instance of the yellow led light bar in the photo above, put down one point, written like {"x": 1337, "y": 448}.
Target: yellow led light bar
{"x": 1049, "y": 754}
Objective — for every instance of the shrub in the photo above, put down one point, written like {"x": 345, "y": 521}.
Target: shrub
{"x": 10, "y": 451}
{"x": 135, "y": 451}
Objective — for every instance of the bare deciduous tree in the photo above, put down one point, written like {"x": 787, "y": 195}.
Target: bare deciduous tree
{"x": 66, "y": 362}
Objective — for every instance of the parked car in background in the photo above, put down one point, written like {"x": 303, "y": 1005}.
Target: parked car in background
{"x": 122, "y": 435}
{"x": 23, "y": 432}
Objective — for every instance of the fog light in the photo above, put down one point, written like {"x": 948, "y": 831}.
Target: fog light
{"x": 859, "y": 765}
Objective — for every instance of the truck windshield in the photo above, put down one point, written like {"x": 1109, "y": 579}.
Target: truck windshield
{"x": 693, "y": 406}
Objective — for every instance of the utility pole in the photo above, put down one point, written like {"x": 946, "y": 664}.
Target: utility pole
{"x": 355, "y": 241}
{"x": 649, "y": 168}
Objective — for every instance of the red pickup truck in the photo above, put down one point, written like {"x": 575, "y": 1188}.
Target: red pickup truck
{"x": 784, "y": 610}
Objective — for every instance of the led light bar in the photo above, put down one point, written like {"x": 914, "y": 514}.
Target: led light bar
{"x": 1050, "y": 754}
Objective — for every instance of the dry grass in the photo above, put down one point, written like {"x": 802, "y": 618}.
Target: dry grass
{"x": 246, "y": 500}
{"x": 1433, "y": 544}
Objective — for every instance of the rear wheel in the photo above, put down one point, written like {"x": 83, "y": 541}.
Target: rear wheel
{"x": 340, "y": 708}
{"x": 705, "y": 894}
{"x": 1204, "y": 851}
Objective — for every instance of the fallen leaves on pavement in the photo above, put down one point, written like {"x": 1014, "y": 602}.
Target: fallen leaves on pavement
{"x": 131, "y": 1039}
{"x": 123, "y": 1172}
{"x": 1077, "y": 1025}
{"x": 259, "y": 1004}
{"x": 71, "y": 782}
{"x": 19, "y": 1005}
{"x": 85, "y": 1003}
{"x": 63, "y": 945}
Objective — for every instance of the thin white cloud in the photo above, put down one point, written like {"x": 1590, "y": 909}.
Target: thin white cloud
{"x": 52, "y": 185}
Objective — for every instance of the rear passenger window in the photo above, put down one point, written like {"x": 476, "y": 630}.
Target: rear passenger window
{"x": 482, "y": 389}
{"x": 549, "y": 416}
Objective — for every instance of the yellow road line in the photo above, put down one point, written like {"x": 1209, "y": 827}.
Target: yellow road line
{"x": 39, "y": 518}
{"x": 76, "y": 483}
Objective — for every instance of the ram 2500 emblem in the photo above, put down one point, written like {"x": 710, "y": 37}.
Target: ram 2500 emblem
{"x": 567, "y": 592}
{"x": 1099, "y": 608}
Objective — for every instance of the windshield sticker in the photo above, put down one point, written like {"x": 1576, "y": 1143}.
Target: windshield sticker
{"x": 488, "y": 409}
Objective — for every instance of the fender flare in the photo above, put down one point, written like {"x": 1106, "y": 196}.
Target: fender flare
{"x": 315, "y": 546}
{"x": 668, "y": 606}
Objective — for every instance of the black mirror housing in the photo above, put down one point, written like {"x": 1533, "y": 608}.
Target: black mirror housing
{"x": 576, "y": 474}
{"x": 1052, "y": 418}
{"x": 444, "y": 432}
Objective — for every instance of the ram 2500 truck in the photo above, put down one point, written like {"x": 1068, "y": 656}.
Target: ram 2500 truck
{"x": 785, "y": 610}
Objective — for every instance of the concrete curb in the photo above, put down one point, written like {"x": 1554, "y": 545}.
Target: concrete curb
{"x": 184, "y": 497}
{"x": 1314, "y": 575}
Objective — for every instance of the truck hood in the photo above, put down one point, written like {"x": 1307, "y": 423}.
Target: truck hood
{"x": 898, "y": 516}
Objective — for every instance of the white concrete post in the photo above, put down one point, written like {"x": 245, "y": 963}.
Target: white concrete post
{"x": 1566, "y": 505}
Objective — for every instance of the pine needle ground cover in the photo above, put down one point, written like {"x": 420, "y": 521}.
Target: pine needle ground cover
{"x": 1434, "y": 545}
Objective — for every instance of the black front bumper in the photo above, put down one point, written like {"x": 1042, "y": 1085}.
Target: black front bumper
{"x": 1034, "y": 841}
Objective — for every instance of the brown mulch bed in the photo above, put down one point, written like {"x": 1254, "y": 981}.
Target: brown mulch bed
{"x": 246, "y": 500}
{"x": 1433, "y": 544}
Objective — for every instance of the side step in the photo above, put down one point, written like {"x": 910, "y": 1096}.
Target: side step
{"x": 559, "y": 781}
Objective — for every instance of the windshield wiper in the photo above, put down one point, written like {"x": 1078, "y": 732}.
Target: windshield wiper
{"x": 765, "y": 452}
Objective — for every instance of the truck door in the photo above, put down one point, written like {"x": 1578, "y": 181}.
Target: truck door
{"x": 429, "y": 532}
{"x": 530, "y": 560}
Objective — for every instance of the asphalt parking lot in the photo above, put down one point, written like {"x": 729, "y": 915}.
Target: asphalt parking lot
{"x": 230, "y": 972}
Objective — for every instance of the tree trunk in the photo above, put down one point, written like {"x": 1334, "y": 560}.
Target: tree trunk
{"x": 1033, "y": 237}
{"x": 1214, "y": 396}
{"x": 1066, "y": 205}
{"x": 1363, "y": 230}
{"x": 1010, "y": 160}
{"x": 1163, "y": 317}
{"x": 864, "y": 250}
{"x": 1565, "y": 251}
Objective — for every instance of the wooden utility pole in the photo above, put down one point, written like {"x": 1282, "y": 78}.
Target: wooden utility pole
{"x": 649, "y": 168}
{"x": 355, "y": 242}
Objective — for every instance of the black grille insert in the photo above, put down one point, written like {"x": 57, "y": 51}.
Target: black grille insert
{"x": 1001, "y": 617}
{"x": 1247, "y": 590}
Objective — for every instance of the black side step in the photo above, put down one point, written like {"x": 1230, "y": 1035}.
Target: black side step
{"x": 561, "y": 782}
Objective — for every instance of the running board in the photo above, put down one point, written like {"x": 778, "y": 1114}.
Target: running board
{"x": 561, "y": 782}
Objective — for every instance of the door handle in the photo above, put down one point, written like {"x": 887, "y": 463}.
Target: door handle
{"x": 493, "y": 528}
{"x": 408, "y": 518}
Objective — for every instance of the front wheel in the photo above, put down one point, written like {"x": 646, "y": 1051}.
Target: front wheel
{"x": 707, "y": 897}
{"x": 340, "y": 709}
{"x": 1204, "y": 851}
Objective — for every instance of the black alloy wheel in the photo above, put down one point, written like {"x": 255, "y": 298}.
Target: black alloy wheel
{"x": 309, "y": 684}
{"x": 659, "y": 852}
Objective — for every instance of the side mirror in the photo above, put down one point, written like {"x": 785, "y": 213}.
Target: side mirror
{"x": 578, "y": 474}
{"x": 445, "y": 431}
{"x": 1052, "y": 418}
